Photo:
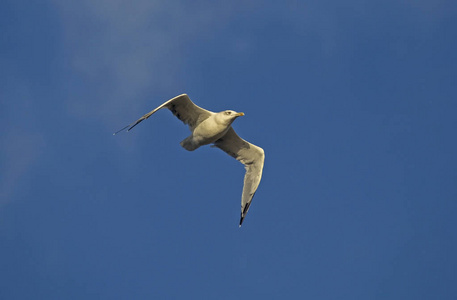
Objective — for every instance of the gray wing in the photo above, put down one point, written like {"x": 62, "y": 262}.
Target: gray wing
{"x": 252, "y": 157}
{"x": 182, "y": 107}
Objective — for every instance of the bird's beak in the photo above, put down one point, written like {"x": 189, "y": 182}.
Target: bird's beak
{"x": 240, "y": 114}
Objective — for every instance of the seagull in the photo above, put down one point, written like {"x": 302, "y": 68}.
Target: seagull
{"x": 208, "y": 127}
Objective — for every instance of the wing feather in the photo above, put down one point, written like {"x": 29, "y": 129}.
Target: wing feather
{"x": 182, "y": 107}
{"x": 252, "y": 157}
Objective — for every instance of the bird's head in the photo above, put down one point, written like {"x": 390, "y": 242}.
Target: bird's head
{"x": 228, "y": 116}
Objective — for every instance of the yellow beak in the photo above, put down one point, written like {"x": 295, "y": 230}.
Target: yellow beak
{"x": 240, "y": 114}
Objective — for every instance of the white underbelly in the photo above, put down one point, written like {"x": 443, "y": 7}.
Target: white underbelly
{"x": 208, "y": 132}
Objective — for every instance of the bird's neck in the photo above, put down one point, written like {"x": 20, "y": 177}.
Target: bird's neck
{"x": 221, "y": 120}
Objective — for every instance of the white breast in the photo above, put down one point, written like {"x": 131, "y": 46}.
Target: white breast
{"x": 210, "y": 130}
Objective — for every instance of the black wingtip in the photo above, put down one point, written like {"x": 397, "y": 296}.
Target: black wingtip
{"x": 121, "y": 130}
{"x": 130, "y": 126}
{"x": 245, "y": 211}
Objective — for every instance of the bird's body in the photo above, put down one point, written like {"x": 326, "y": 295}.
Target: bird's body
{"x": 215, "y": 128}
{"x": 210, "y": 130}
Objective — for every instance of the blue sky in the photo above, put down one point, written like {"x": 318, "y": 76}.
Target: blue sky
{"x": 354, "y": 104}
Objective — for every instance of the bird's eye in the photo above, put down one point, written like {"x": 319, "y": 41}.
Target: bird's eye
{"x": 228, "y": 112}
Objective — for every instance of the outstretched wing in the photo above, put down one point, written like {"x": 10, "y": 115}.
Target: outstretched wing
{"x": 182, "y": 107}
{"x": 252, "y": 157}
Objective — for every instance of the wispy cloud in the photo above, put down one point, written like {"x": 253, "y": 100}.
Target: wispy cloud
{"x": 20, "y": 151}
{"x": 123, "y": 50}
{"x": 21, "y": 143}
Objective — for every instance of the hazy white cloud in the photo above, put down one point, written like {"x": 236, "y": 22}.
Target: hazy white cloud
{"x": 20, "y": 143}
{"x": 123, "y": 51}
{"x": 19, "y": 152}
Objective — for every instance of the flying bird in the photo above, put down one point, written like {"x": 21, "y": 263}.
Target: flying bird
{"x": 208, "y": 127}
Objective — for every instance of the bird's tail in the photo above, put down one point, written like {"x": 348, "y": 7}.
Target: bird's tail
{"x": 189, "y": 144}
